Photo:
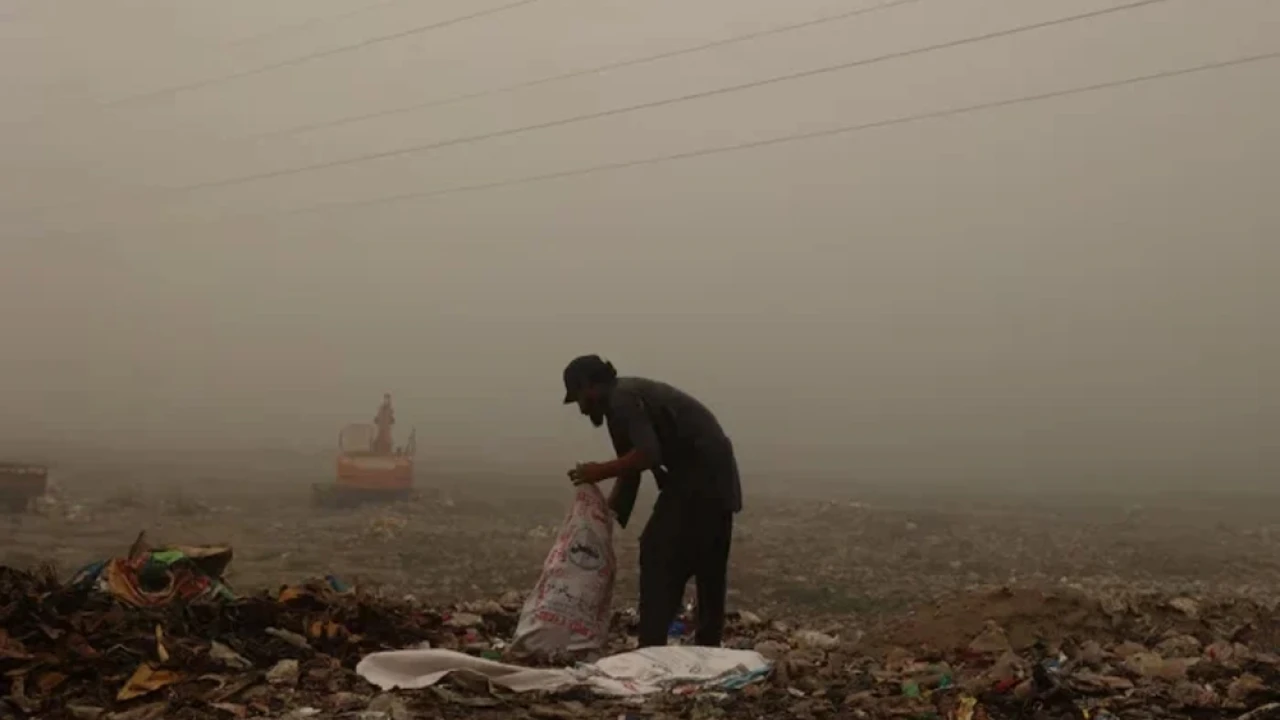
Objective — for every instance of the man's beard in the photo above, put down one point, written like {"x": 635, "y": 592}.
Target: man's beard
{"x": 595, "y": 411}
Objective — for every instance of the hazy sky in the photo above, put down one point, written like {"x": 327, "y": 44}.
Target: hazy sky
{"x": 1083, "y": 287}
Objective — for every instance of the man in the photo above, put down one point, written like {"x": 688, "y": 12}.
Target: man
{"x": 385, "y": 418}
{"x": 658, "y": 428}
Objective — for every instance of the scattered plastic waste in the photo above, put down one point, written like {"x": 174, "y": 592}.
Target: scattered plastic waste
{"x": 84, "y": 651}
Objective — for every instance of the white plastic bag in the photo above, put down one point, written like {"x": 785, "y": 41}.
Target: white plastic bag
{"x": 570, "y": 607}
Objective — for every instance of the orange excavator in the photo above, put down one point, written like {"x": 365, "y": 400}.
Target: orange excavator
{"x": 370, "y": 468}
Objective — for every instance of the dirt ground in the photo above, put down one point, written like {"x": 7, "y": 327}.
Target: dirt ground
{"x": 864, "y": 557}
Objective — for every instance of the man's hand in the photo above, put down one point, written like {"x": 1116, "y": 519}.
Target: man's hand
{"x": 588, "y": 473}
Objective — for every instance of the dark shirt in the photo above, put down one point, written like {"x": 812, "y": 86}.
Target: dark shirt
{"x": 687, "y": 450}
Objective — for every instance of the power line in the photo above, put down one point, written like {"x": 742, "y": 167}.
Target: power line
{"x": 377, "y": 40}
{"x": 715, "y": 44}
{"x": 310, "y": 22}
{"x": 826, "y": 69}
{"x": 248, "y": 40}
{"x": 799, "y": 137}
{"x": 302, "y": 59}
{"x": 521, "y": 86}
{"x": 739, "y": 147}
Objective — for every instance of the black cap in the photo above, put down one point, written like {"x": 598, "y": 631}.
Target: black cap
{"x": 586, "y": 370}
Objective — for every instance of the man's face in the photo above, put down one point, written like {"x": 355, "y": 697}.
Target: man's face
{"x": 590, "y": 404}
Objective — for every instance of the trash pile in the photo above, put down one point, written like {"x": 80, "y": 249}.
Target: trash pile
{"x": 1036, "y": 654}
{"x": 153, "y": 577}
{"x": 94, "y": 651}
{"x": 80, "y": 650}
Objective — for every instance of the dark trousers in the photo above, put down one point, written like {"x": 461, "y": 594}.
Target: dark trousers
{"x": 686, "y": 537}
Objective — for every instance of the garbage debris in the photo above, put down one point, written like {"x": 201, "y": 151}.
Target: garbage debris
{"x": 70, "y": 650}
{"x": 814, "y": 639}
{"x": 284, "y": 672}
{"x": 1186, "y": 606}
{"x": 228, "y": 657}
{"x": 153, "y": 577}
{"x": 81, "y": 652}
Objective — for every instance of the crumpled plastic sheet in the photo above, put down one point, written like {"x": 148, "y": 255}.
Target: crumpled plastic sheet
{"x": 640, "y": 672}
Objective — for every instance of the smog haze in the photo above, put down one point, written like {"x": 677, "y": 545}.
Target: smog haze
{"x": 232, "y": 226}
